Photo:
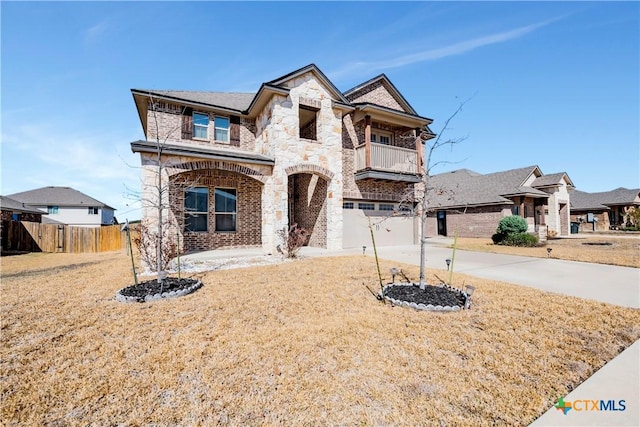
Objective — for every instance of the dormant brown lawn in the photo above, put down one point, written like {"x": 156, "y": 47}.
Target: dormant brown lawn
{"x": 597, "y": 248}
{"x": 298, "y": 343}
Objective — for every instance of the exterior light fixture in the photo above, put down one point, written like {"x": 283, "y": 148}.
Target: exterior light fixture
{"x": 394, "y": 272}
{"x": 364, "y": 249}
{"x": 468, "y": 289}
{"x": 549, "y": 252}
{"x": 448, "y": 261}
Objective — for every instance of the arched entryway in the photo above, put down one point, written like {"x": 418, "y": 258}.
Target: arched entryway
{"x": 307, "y": 191}
{"x": 307, "y": 206}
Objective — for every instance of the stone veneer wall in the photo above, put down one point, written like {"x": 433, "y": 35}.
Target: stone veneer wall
{"x": 277, "y": 130}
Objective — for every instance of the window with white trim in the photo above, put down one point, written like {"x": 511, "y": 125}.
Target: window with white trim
{"x": 226, "y": 209}
{"x": 200, "y": 125}
{"x": 93, "y": 210}
{"x": 221, "y": 129}
{"x": 347, "y": 205}
{"x": 381, "y": 137}
{"x": 385, "y": 207}
{"x": 52, "y": 210}
{"x": 366, "y": 206}
{"x": 196, "y": 209}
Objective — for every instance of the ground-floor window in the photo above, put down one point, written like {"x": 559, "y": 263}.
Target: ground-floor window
{"x": 225, "y": 209}
{"x": 196, "y": 208}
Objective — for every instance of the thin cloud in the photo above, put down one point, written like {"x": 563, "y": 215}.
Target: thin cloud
{"x": 92, "y": 33}
{"x": 439, "y": 53}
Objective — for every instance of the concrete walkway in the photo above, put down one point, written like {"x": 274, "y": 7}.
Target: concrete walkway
{"x": 617, "y": 380}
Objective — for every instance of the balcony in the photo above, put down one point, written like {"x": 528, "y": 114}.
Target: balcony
{"x": 387, "y": 163}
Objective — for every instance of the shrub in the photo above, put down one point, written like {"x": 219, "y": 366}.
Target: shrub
{"x": 511, "y": 225}
{"x": 292, "y": 240}
{"x": 520, "y": 239}
{"x": 497, "y": 238}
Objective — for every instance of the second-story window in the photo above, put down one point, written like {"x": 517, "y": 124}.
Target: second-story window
{"x": 308, "y": 122}
{"x": 221, "y": 132}
{"x": 93, "y": 210}
{"x": 381, "y": 138}
{"x": 200, "y": 125}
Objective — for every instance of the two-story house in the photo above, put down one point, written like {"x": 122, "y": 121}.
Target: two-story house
{"x": 242, "y": 166}
{"x": 65, "y": 205}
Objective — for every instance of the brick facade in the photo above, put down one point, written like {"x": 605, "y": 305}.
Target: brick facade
{"x": 249, "y": 208}
{"x": 312, "y": 171}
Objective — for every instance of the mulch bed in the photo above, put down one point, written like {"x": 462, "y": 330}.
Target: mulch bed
{"x": 434, "y": 295}
{"x": 152, "y": 287}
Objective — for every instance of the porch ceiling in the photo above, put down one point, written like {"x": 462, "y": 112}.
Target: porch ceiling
{"x": 200, "y": 152}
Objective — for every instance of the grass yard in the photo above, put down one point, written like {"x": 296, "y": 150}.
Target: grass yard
{"x": 297, "y": 343}
{"x": 623, "y": 251}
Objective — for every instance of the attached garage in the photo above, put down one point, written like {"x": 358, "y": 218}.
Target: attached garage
{"x": 388, "y": 230}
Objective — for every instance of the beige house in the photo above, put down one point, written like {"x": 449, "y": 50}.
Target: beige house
{"x": 243, "y": 166}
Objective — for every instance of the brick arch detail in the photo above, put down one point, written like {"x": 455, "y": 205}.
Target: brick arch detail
{"x": 310, "y": 168}
{"x": 217, "y": 165}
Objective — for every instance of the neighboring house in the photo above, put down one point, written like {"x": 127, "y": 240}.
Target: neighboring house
{"x": 244, "y": 166}
{"x": 605, "y": 210}
{"x": 472, "y": 204}
{"x": 13, "y": 210}
{"x": 64, "y": 205}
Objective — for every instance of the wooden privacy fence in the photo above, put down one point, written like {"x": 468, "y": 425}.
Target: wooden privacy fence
{"x": 37, "y": 237}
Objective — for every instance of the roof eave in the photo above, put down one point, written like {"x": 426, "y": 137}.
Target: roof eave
{"x": 187, "y": 102}
{"x": 199, "y": 152}
{"x": 400, "y": 117}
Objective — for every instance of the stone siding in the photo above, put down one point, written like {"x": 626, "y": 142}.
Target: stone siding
{"x": 278, "y": 135}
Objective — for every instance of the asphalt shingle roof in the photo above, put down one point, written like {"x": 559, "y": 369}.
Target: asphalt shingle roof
{"x": 231, "y": 100}
{"x": 9, "y": 204}
{"x": 467, "y": 188}
{"x": 581, "y": 200}
{"x": 57, "y": 196}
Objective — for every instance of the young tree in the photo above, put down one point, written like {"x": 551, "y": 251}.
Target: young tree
{"x": 425, "y": 189}
{"x": 157, "y": 241}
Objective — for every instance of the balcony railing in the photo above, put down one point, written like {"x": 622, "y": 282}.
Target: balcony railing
{"x": 387, "y": 158}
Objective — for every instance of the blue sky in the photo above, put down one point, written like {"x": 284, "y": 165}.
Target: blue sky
{"x": 552, "y": 84}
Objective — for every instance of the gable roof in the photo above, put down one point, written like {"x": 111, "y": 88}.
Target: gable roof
{"x": 237, "y": 101}
{"x": 57, "y": 196}
{"x": 311, "y": 68}
{"x": 467, "y": 188}
{"x": 250, "y": 103}
{"x": 393, "y": 91}
{"x": 581, "y": 200}
{"x": 9, "y": 204}
{"x": 552, "y": 180}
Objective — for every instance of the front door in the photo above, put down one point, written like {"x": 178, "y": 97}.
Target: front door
{"x": 442, "y": 223}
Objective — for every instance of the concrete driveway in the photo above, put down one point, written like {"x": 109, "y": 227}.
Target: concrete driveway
{"x": 605, "y": 283}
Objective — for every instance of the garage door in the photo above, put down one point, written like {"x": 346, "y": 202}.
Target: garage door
{"x": 388, "y": 231}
